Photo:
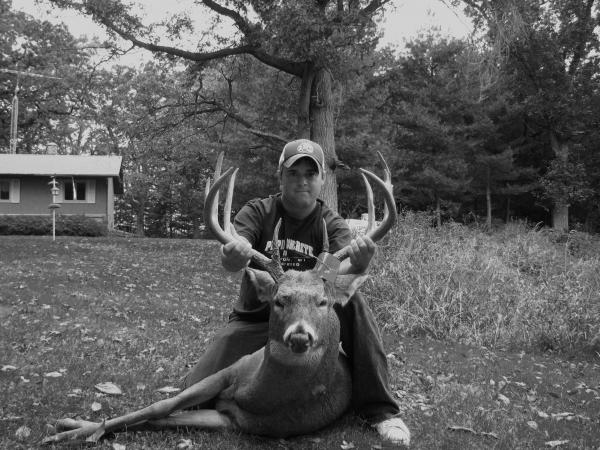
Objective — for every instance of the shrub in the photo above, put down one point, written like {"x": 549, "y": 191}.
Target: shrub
{"x": 516, "y": 287}
{"x": 42, "y": 225}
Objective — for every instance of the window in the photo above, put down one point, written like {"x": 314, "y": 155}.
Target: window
{"x": 73, "y": 190}
{"x": 4, "y": 190}
{"x": 10, "y": 190}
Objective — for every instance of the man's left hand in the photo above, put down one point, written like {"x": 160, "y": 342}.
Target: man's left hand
{"x": 361, "y": 252}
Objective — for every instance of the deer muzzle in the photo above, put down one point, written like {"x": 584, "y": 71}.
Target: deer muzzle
{"x": 299, "y": 337}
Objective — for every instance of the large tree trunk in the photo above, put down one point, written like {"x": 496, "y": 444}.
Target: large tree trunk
{"x": 322, "y": 106}
{"x": 560, "y": 209}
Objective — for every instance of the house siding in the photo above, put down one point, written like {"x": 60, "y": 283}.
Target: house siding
{"x": 35, "y": 198}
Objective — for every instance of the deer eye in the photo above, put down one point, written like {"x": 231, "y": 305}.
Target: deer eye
{"x": 322, "y": 303}
{"x": 278, "y": 304}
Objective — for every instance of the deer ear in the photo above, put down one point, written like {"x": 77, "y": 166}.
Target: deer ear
{"x": 346, "y": 285}
{"x": 263, "y": 284}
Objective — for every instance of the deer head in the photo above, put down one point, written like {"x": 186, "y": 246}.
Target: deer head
{"x": 303, "y": 325}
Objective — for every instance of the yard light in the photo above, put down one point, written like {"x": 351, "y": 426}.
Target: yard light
{"x": 54, "y": 190}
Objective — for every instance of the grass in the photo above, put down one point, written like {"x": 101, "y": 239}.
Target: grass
{"x": 138, "y": 312}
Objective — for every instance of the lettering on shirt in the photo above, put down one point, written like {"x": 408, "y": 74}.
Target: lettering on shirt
{"x": 294, "y": 254}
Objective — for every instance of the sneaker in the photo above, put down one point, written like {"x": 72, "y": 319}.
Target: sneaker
{"x": 394, "y": 430}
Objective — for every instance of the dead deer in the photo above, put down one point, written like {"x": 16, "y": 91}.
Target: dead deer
{"x": 299, "y": 382}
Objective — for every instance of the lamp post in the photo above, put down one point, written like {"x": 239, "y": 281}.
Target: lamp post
{"x": 55, "y": 190}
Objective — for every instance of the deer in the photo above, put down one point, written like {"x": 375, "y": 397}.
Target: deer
{"x": 299, "y": 382}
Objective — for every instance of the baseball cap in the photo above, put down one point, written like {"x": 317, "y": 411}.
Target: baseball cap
{"x": 302, "y": 148}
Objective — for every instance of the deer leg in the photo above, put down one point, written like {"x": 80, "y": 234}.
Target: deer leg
{"x": 200, "y": 392}
{"x": 201, "y": 418}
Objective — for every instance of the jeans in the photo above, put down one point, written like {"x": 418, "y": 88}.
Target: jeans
{"x": 371, "y": 396}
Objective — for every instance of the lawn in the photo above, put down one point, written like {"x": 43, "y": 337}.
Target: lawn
{"x": 138, "y": 312}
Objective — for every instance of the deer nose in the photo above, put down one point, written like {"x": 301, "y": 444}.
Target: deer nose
{"x": 299, "y": 337}
{"x": 300, "y": 342}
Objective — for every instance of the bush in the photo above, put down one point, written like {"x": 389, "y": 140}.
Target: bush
{"x": 513, "y": 288}
{"x": 42, "y": 225}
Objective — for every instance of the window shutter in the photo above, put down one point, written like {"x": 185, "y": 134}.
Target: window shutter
{"x": 90, "y": 191}
{"x": 15, "y": 191}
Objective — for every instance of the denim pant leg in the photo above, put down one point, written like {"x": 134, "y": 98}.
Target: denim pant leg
{"x": 371, "y": 395}
{"x": 236, "y": 339}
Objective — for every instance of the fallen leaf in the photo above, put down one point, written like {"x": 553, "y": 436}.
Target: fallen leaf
{"x": 22, "y": 433}
{"x": 465, "y": 429}
{"x": 168, "y": 390}
{"x": 489, "y": 434}
{"x": 503, "y": 398}
{"x": 53, "y": 375}
{"x": 116, "y": 446}
{"x": 96, "y": 406}
{"x": 185, "y": 443}
{"x": 7, "y": 368}
{"x": 532, "y": 424}
{"x": 346, "y": 445}
{"x": 563, "y": 415}
{"x": 109, "y": 388}
{"x": 553, "y": 444}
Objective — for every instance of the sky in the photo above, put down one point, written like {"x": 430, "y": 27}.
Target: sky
{"x": 405, "y": 19}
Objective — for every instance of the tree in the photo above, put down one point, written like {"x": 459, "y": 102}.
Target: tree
{"x": 48, "y": 104}
{"x": 550, "y": 51}
{"x": 426, "y": 104}
{"x": 318, "y": 42}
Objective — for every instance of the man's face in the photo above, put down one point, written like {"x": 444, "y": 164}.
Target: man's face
{"x": 301, "y": 184}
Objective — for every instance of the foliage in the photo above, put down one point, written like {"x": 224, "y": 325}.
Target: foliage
{"x": 518, "y": 288}
{"x": 42, "y": 225}
{"x": 52, "y": 97}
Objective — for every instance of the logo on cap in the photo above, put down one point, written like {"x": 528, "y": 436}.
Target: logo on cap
{"x": 305, "y": 147}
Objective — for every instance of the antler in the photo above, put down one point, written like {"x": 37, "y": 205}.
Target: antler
{"x": 390, "y": 213}
{"x": 227, "y": 233}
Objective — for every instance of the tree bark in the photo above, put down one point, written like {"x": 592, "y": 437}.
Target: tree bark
{"x": 488, "y": 201}
{"x": 322, "y": 107}
{"x": 560, "y": 209}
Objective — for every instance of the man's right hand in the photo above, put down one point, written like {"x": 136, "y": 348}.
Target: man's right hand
{"x": 235, "y": 255}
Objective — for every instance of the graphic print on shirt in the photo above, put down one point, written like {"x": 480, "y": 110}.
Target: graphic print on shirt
{"x": 294, "y": 254}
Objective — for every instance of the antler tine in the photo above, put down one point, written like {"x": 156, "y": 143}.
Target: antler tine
{"x": 227, "y": 227}
{"x": 325, "y": 238}
{"x": 387, "y": 178}
{"x": 370, "y": 205}
{"x": 211, "y": 220}
{"x": 387, "y": 223}
{"x": 216, "y": 175}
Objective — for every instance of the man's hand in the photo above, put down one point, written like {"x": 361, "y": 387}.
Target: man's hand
{"x": 235, "y": 255}
{"x": 360, "y": 254}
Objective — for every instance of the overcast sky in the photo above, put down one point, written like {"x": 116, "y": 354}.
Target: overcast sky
{"x": 403, "y": 22}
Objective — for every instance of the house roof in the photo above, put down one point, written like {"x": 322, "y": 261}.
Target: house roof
{"x": 60, "y": 165}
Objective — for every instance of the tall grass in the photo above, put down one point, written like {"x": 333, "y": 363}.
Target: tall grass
{"x": 515, "y": 287}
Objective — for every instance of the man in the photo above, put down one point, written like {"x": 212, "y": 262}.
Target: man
{"x": 302, "y": 174}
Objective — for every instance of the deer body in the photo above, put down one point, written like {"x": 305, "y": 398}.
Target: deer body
{"x": 299, "y": 382}
{"x": 286, "y": 388}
